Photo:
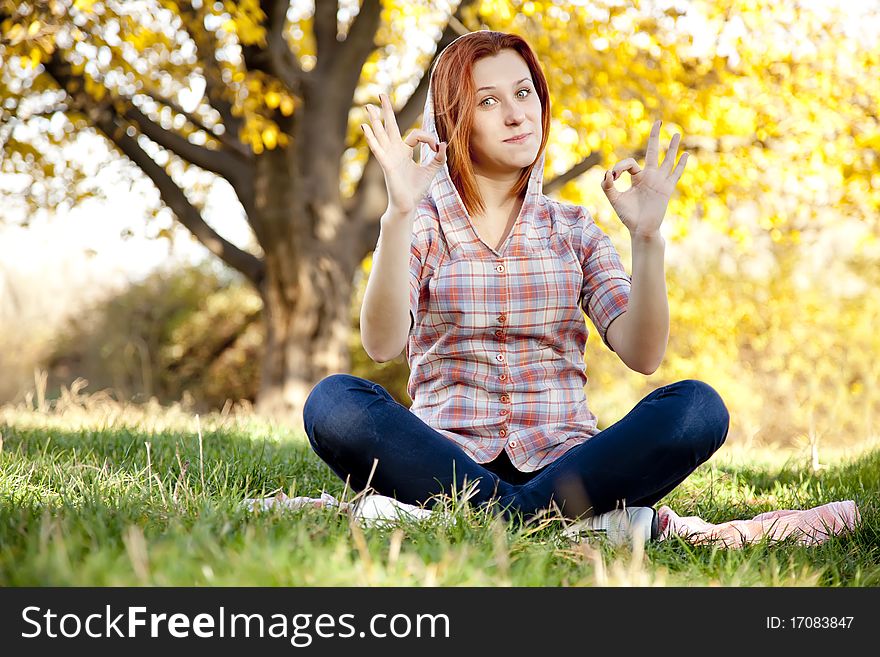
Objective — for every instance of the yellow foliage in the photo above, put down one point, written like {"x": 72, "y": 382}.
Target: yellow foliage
{"x": 246, "y": 22}
{"x": 783, "y": 150}
{"x": 780, "y": 152}
{"x": 273, "y": 99}
{"x": 270, "y": 137}
{"x": 286, "y": 105}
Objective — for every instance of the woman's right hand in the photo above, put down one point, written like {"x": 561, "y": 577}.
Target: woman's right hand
{"x": 406, "y": 181}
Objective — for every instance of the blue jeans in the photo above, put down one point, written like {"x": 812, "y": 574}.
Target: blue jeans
{"x": 351, "y": 421}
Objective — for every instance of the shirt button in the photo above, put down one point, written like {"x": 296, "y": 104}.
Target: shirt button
{"x": 503, "y": 411}
{"x": 502, "y": 319}
{"x": 500, "y": 269}
{"x": 505, "y": 398}
{"x": 503, "y": 433}
{"x": 499, "y": 333}
{"x": 500, "y": 358}
{"x": 513, "y": 443}
{"x": 503, "y": 377}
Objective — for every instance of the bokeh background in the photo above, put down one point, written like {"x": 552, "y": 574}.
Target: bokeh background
{"x": 772, "y": 236}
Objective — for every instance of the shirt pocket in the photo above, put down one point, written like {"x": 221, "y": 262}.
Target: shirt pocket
{"x": 467, "y": 296}
{"x": 544, "y": 299}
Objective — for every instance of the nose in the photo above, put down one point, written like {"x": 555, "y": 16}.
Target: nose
{"x": 514, "y": 114}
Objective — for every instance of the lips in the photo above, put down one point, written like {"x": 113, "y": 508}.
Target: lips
{"x": 518, "y": 139}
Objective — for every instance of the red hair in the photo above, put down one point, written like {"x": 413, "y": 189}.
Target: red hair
{"x": 454, "y": 95}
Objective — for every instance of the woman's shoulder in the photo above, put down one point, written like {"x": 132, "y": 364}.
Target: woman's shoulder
{"x": 570, "y": 214}
{"x": 426, "y": 237}
{"x": 568, "y": 219}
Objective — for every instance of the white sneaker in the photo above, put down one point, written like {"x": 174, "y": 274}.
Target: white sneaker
{"x": 379, "y": 510}
{"x": 621, "y": 526}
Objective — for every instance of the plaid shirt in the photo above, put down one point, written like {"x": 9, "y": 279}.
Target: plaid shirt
{"x": 496, "y": 347}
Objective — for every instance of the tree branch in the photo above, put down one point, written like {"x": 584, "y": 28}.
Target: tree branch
{"x": 324, "y": 26}
{"x": 328, "y": 96}
{"x": 412, "y": 110}
{"x": 340, "y": 64}
{"x": 218, "y": 161}
{"x": 284, "y": 64}
{"x": 216, "y": 90}
{"x": 215, "y": 87}
{"x": 188, "y": 215}
{"x": 224, "y": 138}
{"x": 277, "y": 58}
{"x": 581, "y": 167}
{"x": 105, "y": 116}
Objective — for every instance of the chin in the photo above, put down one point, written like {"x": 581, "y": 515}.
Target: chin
{"x": 527, "y": 159}
{"x": 513, "y": 161}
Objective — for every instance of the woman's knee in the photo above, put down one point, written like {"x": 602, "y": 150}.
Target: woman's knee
{"x": 702, "y": 420}
{"x": 708, "y": 412}
{"x": 335, "y": 403}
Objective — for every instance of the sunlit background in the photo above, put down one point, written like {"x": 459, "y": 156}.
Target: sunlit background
{"x": 772, "y": 250}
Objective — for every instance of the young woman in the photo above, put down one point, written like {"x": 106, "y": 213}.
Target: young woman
{"x": 482, "y": 278}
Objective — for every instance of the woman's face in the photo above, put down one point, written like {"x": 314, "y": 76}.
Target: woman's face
{"x": 509, "y": 108}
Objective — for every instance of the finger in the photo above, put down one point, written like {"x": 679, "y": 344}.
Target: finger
{"x": 414, "y": 138}
{"x": 417, "y": 136}
{"x": 671, "y": 153}
{"x": 390, "y": 120}
{"x": 679, "y": 168}
{"x": 628, "y": 164}
{"x": 378, "y": 129}
{"x": 378, "y": 151}
{"x": 653, "y": 145}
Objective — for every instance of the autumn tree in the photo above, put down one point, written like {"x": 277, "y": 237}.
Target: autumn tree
{"x": 274, "y": 122}
{"x": 283, "y": 95}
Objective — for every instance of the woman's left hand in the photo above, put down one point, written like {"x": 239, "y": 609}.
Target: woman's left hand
{"x": 641, "y": 208}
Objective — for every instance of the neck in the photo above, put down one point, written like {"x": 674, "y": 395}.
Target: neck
{"x": 497, "y": 192}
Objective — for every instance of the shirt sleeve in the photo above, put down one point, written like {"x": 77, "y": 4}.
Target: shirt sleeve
{"x": 606, "y": 285}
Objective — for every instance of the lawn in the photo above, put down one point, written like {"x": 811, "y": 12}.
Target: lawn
{"x": 101, "y": 494}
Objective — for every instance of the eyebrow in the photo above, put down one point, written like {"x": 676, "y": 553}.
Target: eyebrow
{"x": 514, "y": 84}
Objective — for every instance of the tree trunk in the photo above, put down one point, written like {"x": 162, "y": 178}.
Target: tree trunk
{"x": 307, "y": 331}
{"x": 310, "y": 264}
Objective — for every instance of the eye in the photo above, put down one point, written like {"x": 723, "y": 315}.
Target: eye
{"x": 526, "y": 89}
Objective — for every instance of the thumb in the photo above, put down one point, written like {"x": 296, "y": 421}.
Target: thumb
{"x": 439, "y": 157}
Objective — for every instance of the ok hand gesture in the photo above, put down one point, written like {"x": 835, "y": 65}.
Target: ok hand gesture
{"x": 405, "y": 180}
{"x": 641, "y": 208}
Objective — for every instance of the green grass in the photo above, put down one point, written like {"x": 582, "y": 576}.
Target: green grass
{"x": 80, "y": 505}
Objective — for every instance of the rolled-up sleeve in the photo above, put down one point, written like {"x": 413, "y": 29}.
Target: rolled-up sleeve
{"x": 606, "y": 286}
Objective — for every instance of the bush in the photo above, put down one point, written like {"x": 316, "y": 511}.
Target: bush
{"x": 189, "y": 332}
